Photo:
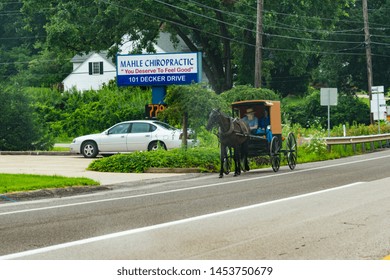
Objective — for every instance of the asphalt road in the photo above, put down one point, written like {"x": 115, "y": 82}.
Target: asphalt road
{"x": 327, "y": 210}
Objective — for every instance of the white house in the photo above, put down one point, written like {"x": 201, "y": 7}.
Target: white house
{"x": 90, "y": 72}
{"x": 95, "y": 69}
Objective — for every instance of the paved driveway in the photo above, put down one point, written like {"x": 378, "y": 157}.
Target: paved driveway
{"x": 70, "y": 166}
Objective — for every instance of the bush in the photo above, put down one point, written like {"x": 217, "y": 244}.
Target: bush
{"x": 239, "y": 93}
{"x": 75, "y": 113}
{"x": 21, "y": 129}
{"x": 308, "y": 111}
{"x": 206, "y": 159}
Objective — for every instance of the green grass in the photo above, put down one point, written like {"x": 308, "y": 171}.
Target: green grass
{"x": 25, "y": 182}
{"x": 60, "y": 149}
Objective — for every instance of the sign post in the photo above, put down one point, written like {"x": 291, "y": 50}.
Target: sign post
{"x": 328, "y": 98}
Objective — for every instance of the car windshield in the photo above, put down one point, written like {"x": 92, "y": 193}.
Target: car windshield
{"x": 165, "y": 125}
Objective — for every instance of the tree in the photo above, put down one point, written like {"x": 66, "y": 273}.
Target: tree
{"x": 223, "y": 30}
{"x": 84, "y": 26}
{"x": 343, "y": 63}
{"x": 247, "y": 92}
{"x": 20, "y": 127}
{"x": 313, "y": 42}
{"x": 308, "y": 111}
{"x": 14, "y": 42}
{"x": 189, "y": 106}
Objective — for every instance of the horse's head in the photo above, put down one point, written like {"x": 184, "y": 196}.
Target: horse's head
{"x": 213, "y": 118}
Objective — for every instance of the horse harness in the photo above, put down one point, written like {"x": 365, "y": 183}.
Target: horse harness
{"x": 244, "y": 129}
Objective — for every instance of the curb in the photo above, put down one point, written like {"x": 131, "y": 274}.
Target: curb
{"x": 50, "y": 193}
{"x": 35, "y": 153}
{"x": 172, "y": 170}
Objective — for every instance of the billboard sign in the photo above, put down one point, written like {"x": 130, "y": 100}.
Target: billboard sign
{"x": 158, "y": 69}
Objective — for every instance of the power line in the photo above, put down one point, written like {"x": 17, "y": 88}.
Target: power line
{"x": 224, "y": 37}
{"x": 249, "y": 44}
{"x": 325, "y": 32}
{"x": 269, "y": 34}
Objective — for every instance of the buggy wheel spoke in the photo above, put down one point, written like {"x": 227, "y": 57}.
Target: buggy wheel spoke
{"x": 292, "y": 154}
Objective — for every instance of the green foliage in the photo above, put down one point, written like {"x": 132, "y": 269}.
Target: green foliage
{"x": 206, "y": 159}
{"x": 74, "y": 113}
{"x": 20, "y": 129}
{"x": 304, "y": 42}
{"x": 46, "y": 69}
{"x": 195, "y": 101}
{"x": 308, "y": 111}
{"x": 207, "y": 139}
{"x": 359, "y": 129}
{"x": 317, "y": 143}
{"x": 247, "y": 92}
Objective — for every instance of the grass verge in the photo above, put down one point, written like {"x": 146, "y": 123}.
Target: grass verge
{"x": 26, "y": 182}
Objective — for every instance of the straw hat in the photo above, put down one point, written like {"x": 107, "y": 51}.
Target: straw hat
{"x": 250, "y": 111}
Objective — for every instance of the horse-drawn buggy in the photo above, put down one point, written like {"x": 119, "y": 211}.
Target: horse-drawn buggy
{"x": 255, "y": 130}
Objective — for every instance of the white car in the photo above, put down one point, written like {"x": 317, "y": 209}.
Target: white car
{"x": 129, "y": 136}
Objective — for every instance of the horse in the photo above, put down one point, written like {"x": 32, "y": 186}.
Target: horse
{"x": 232, "y": 133}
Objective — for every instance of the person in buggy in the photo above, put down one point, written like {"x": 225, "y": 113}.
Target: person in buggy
{"x": 264, "y": 127}
{"x": 251, "y": 120}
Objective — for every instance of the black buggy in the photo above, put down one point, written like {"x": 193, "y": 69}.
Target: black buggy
{"x": 269, "y": 142}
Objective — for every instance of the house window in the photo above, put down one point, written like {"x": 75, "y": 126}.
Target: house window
{"x": 96, "y": 68}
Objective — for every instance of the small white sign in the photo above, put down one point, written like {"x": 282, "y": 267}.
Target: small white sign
{"x": 378, "y": 89}
{"x": 378, "y": 103}
{"x": 328, "y": 96}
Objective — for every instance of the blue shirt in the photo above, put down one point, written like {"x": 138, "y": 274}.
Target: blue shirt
{"x": 264, "y": 122}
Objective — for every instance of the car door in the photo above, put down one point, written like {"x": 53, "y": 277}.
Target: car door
{"x": 140, "y": 136}
{"x": 115, "y": 139}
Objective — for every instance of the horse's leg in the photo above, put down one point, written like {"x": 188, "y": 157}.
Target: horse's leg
{"x": 222, "y": 157}
{"x": 244, "y": 155}
{"x": 237, "y": 164}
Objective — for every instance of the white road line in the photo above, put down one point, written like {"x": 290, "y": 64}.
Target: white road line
{"x": 149, "y": 228}
{"x": 222, "y": 183}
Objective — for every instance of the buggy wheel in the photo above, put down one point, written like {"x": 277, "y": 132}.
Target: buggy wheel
{"x": 275, "y": 153}
{"x": 227, "y": 161}
{"x": 292, "y": 153}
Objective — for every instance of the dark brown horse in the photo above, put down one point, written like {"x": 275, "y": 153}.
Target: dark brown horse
{"x": 232, "y": 133}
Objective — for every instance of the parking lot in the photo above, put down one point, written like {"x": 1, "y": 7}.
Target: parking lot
{"x": 70, "y": 166}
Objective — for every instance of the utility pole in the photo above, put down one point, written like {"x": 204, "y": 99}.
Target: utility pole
{"x": 259, "y": 43}
{"x": 367, "y": 42}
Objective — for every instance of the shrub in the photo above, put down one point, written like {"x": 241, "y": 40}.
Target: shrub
{"x": 206, "y": 159}
{"x": 75, "y": 113}
{"x": 21, "y": 129}
{"x": 246, "y": 92}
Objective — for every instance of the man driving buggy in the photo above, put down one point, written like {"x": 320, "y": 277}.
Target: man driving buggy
{"x": 251, "y": 120}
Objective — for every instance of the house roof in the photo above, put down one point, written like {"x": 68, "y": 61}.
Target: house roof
{"x": 83, "y": 57}
{"x": 164, "y": 45}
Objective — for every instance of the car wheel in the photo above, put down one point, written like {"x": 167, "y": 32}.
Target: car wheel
{"x": 156, "y": 145}
{"x": 89, "y": 149}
